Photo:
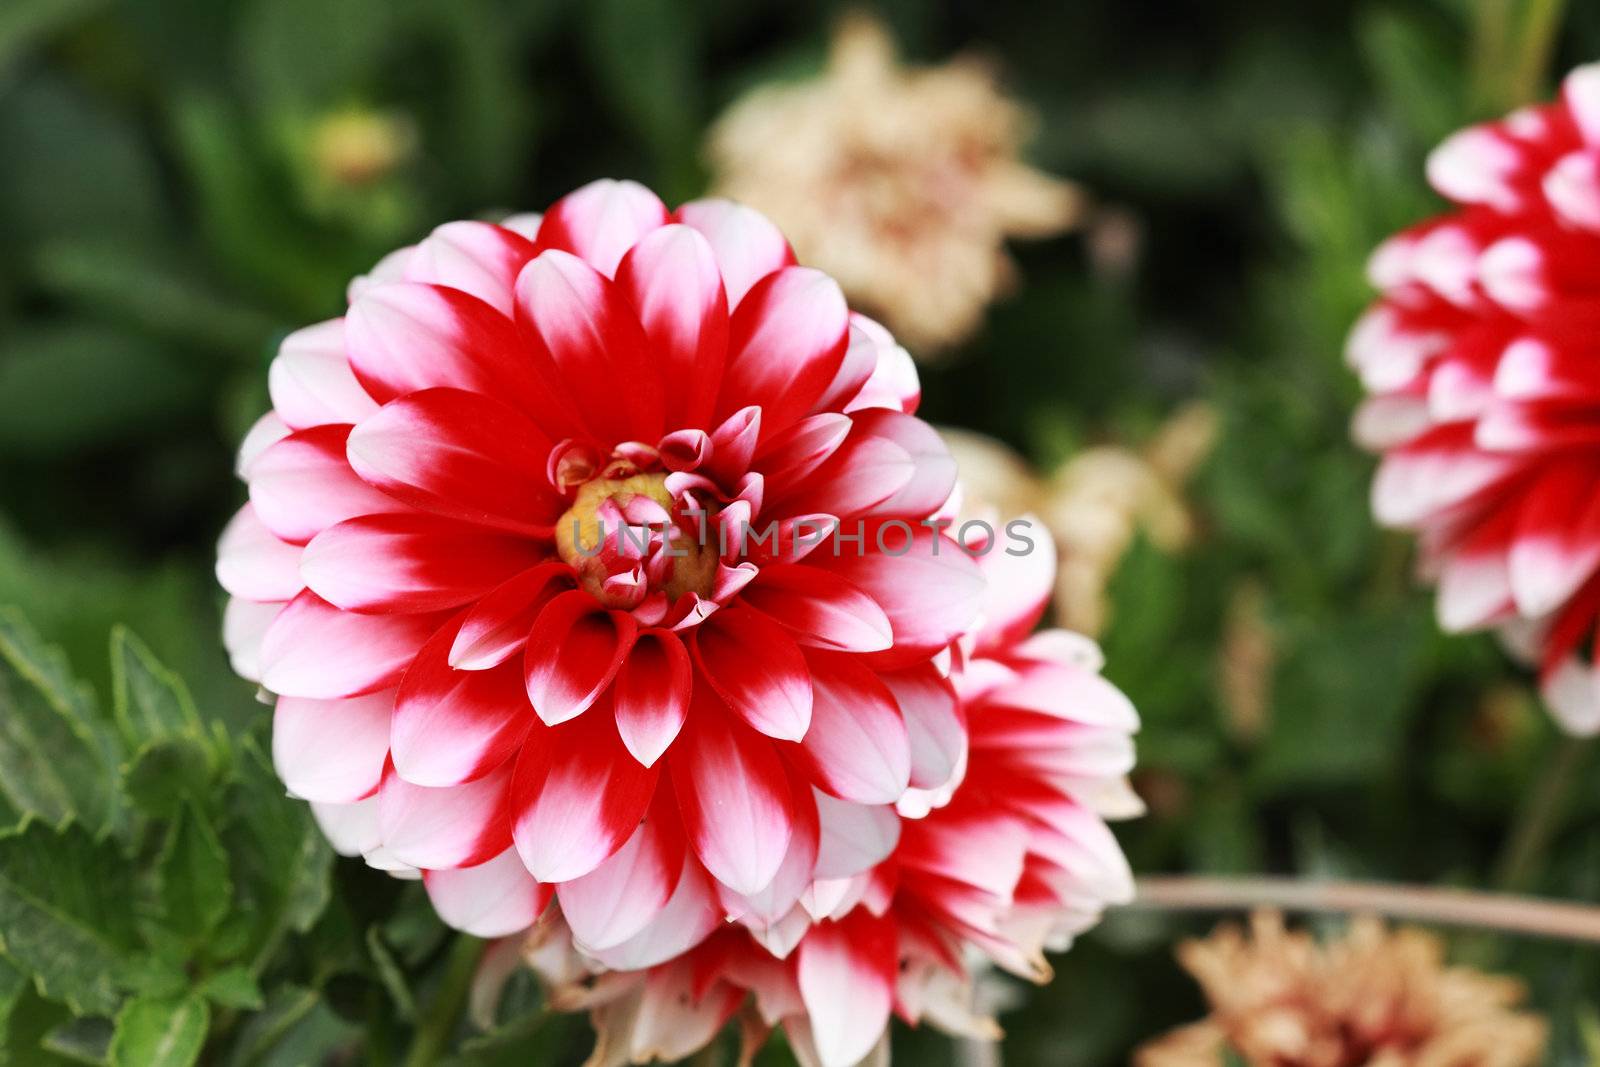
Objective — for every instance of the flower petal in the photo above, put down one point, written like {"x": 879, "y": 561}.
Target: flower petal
{"x": 331, "y": 750}
{"x": 846, "y": 971}
{"x": 747, "y": 245}
{"x": 453, "y": 826}
{"x": 583, "y": 330}
{"x": 758, "y": 670}
{"x": 312, "y": 649}
{"x": 854, "y": 837}
{"x": 451, "y": 726}
{"x": 253, "y": 563}
{"x": 578, "y": 796}
{"x": 734, "y": 796}
{"x": 302, "y": 484}
{"x": 476, "y": 257}
{"x": 460, "y": 455}
{"x": 785, "y": 344}
{"x": 652, "y": 694}
{"x": 496, "y": 898}
{"x": 405, "y": 563}
{"x": 497, "y": 626}
{"x": 619, "y": 898}
{"x": 820, "y": 609}
{"x": 573, "y": 653}
{"x": 310, "y": 380}
{"x": 931, "y": 590}
{"x": 601, "y": 221}
{"x": 857, "y": 748}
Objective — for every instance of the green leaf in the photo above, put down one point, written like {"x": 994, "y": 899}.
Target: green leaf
{"x": 281, "y": 860}
{"x": 151, "y": 702}
{"x": 232, "y": 987}
{"x": 195, "y": 887}
{"x": 160, "y": 1033}
{"x": 286, "y": 1007}
{"x": 64, "y": 914}
{"x": 82, "y": 1040}
{"x": 29, "y": 1025}
{"x": 390, "y": 974}
{"x": 56, "y": 756}
{"x": 165, "y": 775}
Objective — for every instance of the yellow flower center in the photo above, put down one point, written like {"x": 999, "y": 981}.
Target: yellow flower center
{"x": 683, "y": 552}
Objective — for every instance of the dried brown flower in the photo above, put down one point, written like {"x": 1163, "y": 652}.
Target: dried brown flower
{"x": 1374, "y": 998}
{"x": 903, "y": 183}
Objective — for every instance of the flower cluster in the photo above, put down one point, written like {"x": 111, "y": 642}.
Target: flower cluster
{"x": 1485, "y": 394}
{"x": 498, "y": 572}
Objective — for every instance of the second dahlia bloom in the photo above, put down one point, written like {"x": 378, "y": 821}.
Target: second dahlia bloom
{"x": 903, "y": 183}
{"x": 1483, "y": 364}
{"x": 907, "y": 909}
{"x": 1375, "y": 998}
{"x": 587, "y": 551}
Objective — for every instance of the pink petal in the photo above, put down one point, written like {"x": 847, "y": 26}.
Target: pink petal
{"x": 311, "y": 383}
{"x": 451, "y": 726}
{"x": 931, "y": 592}
{"x": 893, "y": 383}
{"x": 454, "y": 826}
{"x": 785, "y": 345}
{"x": 350, "y": 828}
{"x": 846, "y": 971}
{"x": 302, "y": 485}
{"x": 747, "y": 245}
{"x": 312, "y": 649}
{"x": 244, "y": 627}
{"x": 734, "y": 796}
{"x": 652, "y": 694}
{"x": 619, "y": 898}
{"x": 1556, "y": 547}
{"x": 578, "y": 797}
{"x": 857, "y": 748}
{"x": 758, "y": 669}
{"x": 854, "y": 837}
{"x": 406, "y": 336}
{"x": 331, "y": 750}
{"x": 402, "y": 563}
{"x": 461, "y": 455}
{"x": 792, "y": 454}
{"x": 496, "y": 627}
{"x": 672, "y": 281}
{"x": 935, "y": 725}
{"x": 254, "y": 564}
{"x": 496, "y": 898}
{"x": 574, "y": 651}
{"x": 779, "y": 896}
{"x": 1019, "y": 569}
{"x": 688, "y": 919}
{"x": 601, "y": 221}
{"x": 266, "y": 431}
{"x": 476, "y": 257}
{"x": 584, "y": 332}
{"x": 821, "y": 609}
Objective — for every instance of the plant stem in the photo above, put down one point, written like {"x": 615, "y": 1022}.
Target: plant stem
{"x": 436, "y": 1028}
{"x": 1540, "y": 817}
{"x": 1445, "y": 907}
{"x": 1536, "y": 37}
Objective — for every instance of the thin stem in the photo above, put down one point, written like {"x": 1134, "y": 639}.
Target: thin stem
{"x": 449, "y": 1001}
{"x": 1445, "y": 907}
{"x": 1540, "y": 817}
{"x": 1540, "y": 22}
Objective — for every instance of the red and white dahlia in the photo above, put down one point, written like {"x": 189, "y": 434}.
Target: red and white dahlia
{"x": 586, "y": 555}
{"x": 902, "y": 916}
{"x": 1482, "y": 358}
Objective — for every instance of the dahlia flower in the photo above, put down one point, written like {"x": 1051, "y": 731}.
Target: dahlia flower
{"x": 902, "y": 183}
{"x": 1014, "y": 860}
{"x": 1485, "y": 396}
{"x": 1376, "y": 997}
{"x": 586, "y": 555}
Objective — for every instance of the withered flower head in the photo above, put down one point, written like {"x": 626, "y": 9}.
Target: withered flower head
{"x": 1375, "y": 998}
{"x": 902, "y": 183}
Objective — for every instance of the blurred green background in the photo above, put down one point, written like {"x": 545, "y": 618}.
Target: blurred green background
{"x": 182, "y": 182}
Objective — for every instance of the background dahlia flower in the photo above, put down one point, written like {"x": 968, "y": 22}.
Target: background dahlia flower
{"x": 903, "y": 183}
{"x": 1375, "y": 997}
{"x": 531, "y": 569}
{"x": 1016, "y": 860}
{"x": 1480, "y": 358}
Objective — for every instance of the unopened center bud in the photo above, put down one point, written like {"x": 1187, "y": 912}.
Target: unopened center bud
{"x": 683, "y": 557}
